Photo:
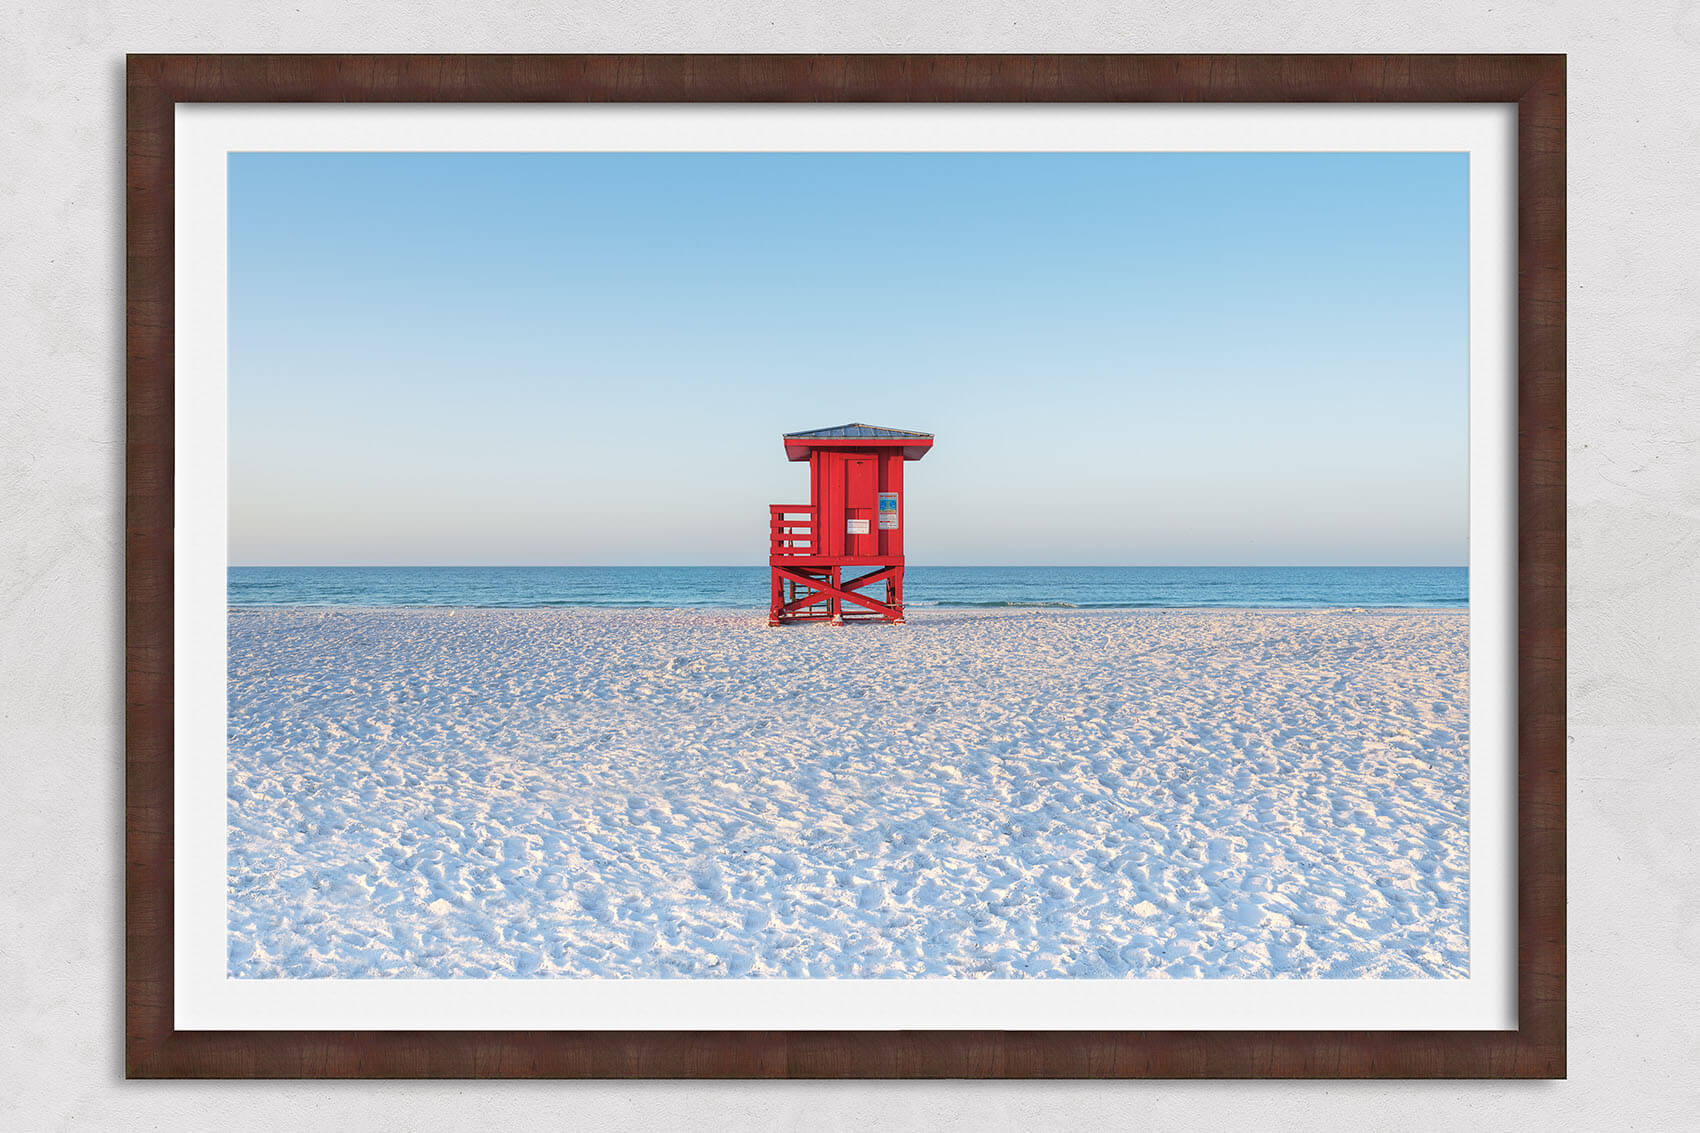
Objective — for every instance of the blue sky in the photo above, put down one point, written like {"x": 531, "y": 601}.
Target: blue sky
{"x": 589, "y": 358}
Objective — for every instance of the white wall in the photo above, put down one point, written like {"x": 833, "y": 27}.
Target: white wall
{"x": 1635, "y": 545}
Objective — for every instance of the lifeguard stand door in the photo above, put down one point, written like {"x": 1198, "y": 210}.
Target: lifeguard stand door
{"x": 861, "y": 485}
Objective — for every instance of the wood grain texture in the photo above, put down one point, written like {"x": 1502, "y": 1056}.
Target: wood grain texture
{"x": 1536, "y": 83}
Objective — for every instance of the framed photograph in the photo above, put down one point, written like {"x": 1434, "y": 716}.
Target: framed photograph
{"x": 845, "y": 566}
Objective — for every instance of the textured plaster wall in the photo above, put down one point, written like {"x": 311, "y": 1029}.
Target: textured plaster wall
{"x": 1634, "y": 566}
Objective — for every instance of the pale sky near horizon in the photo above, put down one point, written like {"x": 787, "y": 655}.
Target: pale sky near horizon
{"x": 1165, "y": 359}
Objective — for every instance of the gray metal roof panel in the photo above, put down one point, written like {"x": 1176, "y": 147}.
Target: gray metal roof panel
{"x": 858, "y": 431}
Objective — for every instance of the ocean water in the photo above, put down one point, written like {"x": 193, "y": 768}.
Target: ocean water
{"x": 747, "y": 587}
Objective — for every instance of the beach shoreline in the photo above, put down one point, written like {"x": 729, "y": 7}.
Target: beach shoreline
{"x": 1003, "y": 792}
{"x": 911, "y": 611}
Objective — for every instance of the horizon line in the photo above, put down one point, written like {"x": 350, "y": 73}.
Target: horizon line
{"x": 759, "y": 566}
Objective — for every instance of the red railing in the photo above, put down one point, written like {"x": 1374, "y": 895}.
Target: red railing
{"x": 791, "y": 530}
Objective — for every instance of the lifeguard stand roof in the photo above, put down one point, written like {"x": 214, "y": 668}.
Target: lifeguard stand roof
{"x": 798, "y": 446}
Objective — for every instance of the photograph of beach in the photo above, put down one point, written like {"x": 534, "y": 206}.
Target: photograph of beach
{"x": 592, "y": 613}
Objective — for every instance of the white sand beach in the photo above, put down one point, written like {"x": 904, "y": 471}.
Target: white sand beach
{"x": 999, "y": 793}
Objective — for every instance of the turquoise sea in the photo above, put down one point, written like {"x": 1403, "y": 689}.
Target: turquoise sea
{"x": 956, "y": 586}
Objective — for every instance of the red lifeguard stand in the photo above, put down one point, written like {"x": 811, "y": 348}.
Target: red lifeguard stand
{"x": 854, "y": 518}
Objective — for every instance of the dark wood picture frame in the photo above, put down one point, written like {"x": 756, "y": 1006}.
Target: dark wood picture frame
{"x": 1536, "y": 83}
